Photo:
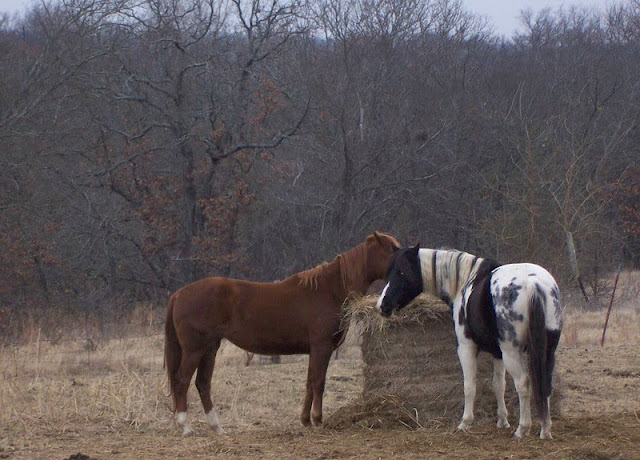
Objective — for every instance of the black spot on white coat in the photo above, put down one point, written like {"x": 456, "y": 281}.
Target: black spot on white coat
{"x": 508, "y": 295}
{"x": 506, "y": 316}
{"x": 480, "y": 323}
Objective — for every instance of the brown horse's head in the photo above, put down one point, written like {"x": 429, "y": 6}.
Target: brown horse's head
{"x": 380, "y": 248}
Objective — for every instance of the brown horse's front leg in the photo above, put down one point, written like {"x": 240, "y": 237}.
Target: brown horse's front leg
{"x": 305, "y": 417}
{"x": 318, "y": 363}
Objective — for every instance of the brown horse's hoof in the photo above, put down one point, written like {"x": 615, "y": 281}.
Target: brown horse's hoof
{"x": 306, "y": 421}
{"x": 317, "y": 421}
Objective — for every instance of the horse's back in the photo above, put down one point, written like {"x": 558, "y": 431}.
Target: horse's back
{"x": 200, "y": 294}
{"x": 265, "y": 318}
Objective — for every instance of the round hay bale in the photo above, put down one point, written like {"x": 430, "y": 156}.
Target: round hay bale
{"x": 411, "y": 359}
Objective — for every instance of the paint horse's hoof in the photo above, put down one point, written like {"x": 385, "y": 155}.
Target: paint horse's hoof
{"x": 188, "y": 431}
{"x": 503, "y": 423}
{"x": 521, "y": 433}
{"x": 464, "y": 426}
{"x": 545, "y": 435}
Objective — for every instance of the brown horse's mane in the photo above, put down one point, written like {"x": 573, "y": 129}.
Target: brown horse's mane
{"x": 351, "y": 265}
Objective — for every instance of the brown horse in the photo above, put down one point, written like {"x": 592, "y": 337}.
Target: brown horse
{"x": 299, "y": 315}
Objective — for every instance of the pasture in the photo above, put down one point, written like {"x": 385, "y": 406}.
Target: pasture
{"x": 107, "y": 399}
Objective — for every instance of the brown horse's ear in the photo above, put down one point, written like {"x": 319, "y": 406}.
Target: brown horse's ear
{"x": 379, "y": 238}
{"x": 417, "y": 246}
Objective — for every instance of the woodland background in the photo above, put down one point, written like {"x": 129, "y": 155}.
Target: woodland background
{"x": 148, "y": 143}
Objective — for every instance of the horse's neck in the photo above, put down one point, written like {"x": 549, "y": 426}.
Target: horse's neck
{"x": 354, "y": 270}
{"x": 348, "y": 273}
{"x": 351, "y": 283}
{"x": 328, "y": 277}
{"x": 445, "y": 273}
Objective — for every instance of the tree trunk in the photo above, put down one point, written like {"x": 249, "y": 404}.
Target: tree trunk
{"x": 573, "y": 261}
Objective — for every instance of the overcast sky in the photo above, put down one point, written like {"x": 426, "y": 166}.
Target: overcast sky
{"x": 11, "y": 5}
{"x": 503, "y": 14}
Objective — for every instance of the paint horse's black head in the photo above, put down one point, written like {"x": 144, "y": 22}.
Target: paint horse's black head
{"x": 404, "y": 280}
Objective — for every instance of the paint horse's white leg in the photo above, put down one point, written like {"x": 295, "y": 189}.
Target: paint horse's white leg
{"x": 498, "y": 387}
{"x": 181, "y": 418}
{"x": 467, "y": 352}
{"x": 545, "y": 429}
{"x": 517, "y": 367}
{"x": 214, "y": 421}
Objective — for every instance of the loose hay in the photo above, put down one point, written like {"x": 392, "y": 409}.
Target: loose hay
{"x": 361, "y": 310}
{"x": 374, "y": 412}
{"x": 412, "y": 367}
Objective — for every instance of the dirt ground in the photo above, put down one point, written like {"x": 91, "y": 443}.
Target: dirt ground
{"x": 108, "y": 401}
{"x": 608, "y": 437}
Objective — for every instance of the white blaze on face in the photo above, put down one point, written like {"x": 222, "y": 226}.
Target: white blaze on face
{"x": 379, "y": 302}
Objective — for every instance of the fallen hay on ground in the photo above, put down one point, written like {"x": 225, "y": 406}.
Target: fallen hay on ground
{"x": 377, "y": 411}
{"x": 412, "y": 376}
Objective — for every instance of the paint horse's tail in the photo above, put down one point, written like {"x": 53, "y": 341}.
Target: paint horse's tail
{"x": 172, "y": 350}
{"x": 542, "y": 347}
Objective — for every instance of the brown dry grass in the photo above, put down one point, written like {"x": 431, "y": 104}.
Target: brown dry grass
{"x": 108, "y": 400}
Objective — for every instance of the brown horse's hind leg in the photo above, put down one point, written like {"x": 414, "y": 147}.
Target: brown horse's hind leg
{"x": 188, "y": 364}
{"x": 318, "y": 363}
{"x": 203, "y": 384}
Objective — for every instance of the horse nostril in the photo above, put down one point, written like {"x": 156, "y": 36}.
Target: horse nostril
{"x": 386, "y": 308}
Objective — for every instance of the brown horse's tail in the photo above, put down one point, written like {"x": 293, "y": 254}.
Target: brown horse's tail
{"x": 172, "y": 350}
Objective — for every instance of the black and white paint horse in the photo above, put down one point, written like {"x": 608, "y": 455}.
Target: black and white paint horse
{"x": 510, "y": 311}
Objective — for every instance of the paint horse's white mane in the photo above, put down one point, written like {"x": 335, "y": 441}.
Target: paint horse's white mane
{"x": 453, "y": 270}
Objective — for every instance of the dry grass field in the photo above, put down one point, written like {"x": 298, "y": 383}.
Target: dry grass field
{"x": 107, "y": 399}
